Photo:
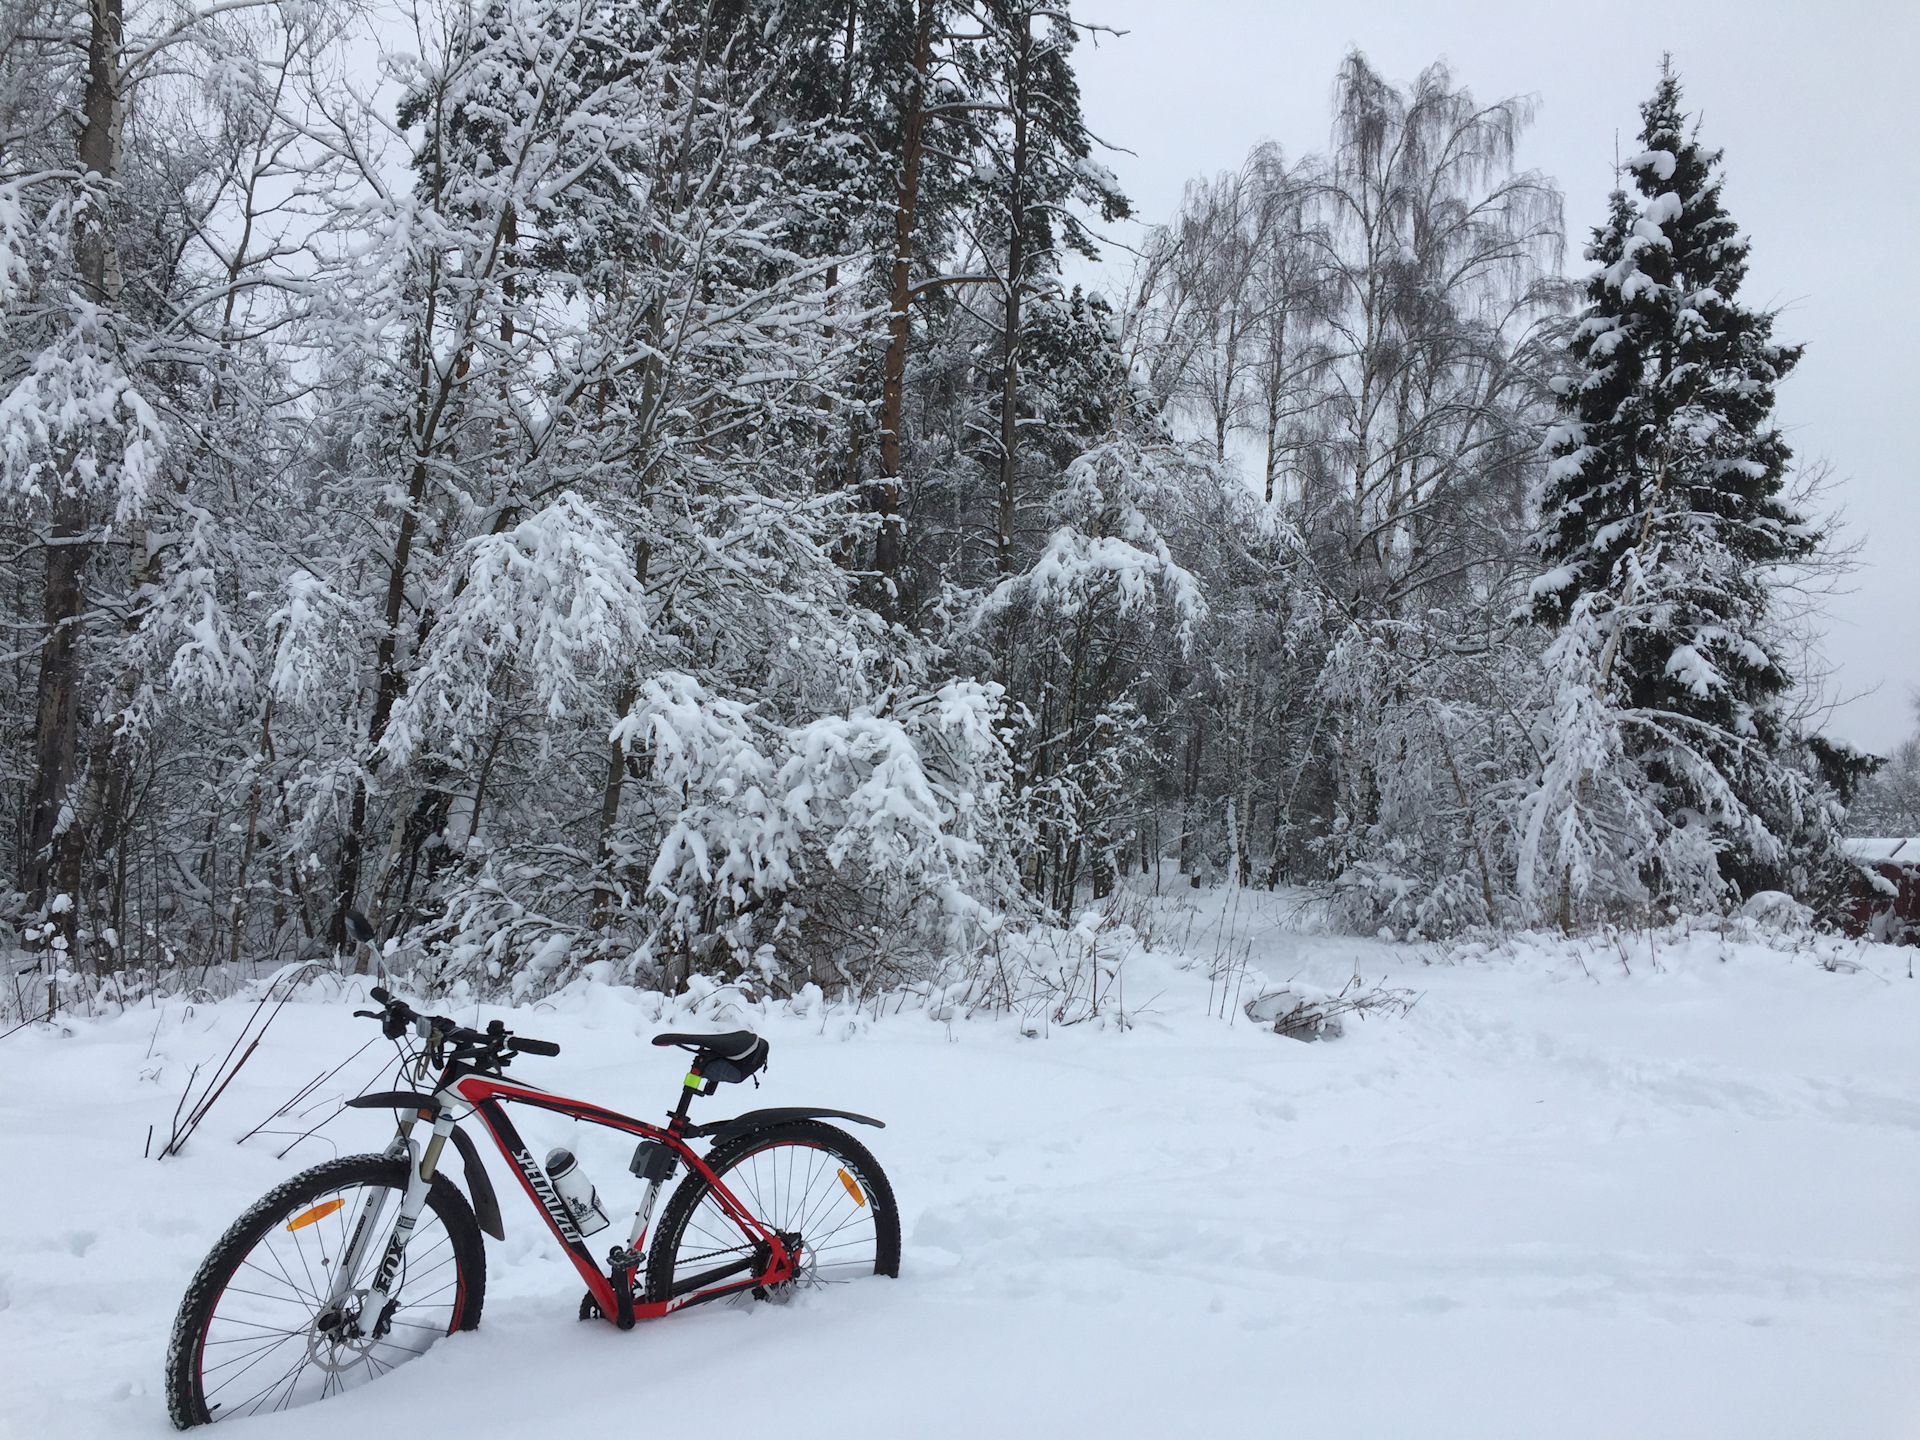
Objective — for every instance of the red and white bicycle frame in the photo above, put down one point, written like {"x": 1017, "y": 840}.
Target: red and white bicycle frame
{"x": 487, "y": 1097}
{"x": 486, "y": 1094}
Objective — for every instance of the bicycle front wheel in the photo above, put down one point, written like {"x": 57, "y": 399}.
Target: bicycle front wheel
{"x": 813, "y": 1184}
{"x": 260, "y": 1328}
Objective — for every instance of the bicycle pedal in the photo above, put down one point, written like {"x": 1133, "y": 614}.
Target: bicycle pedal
{"x": 590, "y": 1308}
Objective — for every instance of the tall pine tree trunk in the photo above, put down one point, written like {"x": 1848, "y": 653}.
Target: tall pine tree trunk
{"x": 430, "y": 404}
{"x": 53, "y": 846}
{"x": 890, "y": 546}
{"x": 1016, "y": 265}
{"x": 603, "y": 895}
{"x": 55, "y": 842}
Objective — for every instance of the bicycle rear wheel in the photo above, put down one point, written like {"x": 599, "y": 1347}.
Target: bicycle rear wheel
{"x": 814, "y": 1184}
{"x": 255, "y": 1332}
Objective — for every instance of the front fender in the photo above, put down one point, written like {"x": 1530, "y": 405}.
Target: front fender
{"x": 486, "y": 1205}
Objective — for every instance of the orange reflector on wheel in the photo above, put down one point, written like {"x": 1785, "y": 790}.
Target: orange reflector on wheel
{"x": 853, "y": 1189}
{"x": 318, "y": 1212}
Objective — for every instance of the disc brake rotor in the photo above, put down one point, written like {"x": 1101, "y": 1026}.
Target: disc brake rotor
{"x": 339, "y": 1347}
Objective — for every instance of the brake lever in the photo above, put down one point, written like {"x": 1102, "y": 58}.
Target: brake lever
{"x": 387, "y": 1026}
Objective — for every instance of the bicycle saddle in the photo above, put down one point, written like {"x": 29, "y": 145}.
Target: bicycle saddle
{"x": 731, "y": 1045}
{"x": 722, "y": 1059}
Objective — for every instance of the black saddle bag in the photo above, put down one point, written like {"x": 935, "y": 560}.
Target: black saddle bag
{"x": 732, "y": 1069}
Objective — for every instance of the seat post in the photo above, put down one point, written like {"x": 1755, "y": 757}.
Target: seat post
{"x": 687, "y": 1092}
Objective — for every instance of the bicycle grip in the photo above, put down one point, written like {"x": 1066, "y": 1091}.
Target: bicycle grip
{"x": 524, "y": 1046}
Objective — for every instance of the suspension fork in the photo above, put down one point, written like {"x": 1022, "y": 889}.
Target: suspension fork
{"x": 365, "y": 1224}
{"x": 420, "y": 1172}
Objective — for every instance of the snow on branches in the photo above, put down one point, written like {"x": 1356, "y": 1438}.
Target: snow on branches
{"x": 555, "y": 598}
{"x": 76, "y": 423}
{"x": 878, "y": 813}
{"x": 1109, "y": 552}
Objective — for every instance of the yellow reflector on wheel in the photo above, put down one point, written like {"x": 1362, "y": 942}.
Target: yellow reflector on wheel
{"x": 319, "y": 1212}
{"x": 853, "y": 1189}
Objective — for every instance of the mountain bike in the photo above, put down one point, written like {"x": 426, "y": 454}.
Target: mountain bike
{"x": 358, "y": 1265}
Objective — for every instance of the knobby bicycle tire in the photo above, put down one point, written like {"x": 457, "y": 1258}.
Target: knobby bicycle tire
{"x": 798, "y": 1176}
{"x": 262, "y": 1224}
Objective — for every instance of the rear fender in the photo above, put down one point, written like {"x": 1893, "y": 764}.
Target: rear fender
{"x": 721, "y": 1131}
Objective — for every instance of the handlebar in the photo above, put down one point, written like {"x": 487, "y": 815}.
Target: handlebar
{"x": 492, "y": 1046}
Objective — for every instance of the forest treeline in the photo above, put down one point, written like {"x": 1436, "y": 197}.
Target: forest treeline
{"x": 625, "y": 484}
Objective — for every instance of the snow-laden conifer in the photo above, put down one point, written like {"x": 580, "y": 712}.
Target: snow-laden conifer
{"x": 1664, "y": 522}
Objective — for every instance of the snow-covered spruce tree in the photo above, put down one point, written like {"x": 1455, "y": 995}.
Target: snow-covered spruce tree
{"x": 1664, "y": 524}
{"x": 1034, "y": 167}
{"x": 1080, "y": 634}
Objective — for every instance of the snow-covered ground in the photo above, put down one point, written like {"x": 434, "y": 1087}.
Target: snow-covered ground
{"x": 1666, "y": 1191}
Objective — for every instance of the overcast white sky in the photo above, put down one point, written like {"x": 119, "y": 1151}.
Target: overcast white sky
{"x": 1816, "y": 105}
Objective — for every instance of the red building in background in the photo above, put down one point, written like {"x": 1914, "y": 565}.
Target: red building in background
{"x": 1885, "y": 901}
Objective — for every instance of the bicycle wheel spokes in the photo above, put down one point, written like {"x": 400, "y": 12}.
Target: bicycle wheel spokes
{"x": 808, "y": 1183}
{"x": 799, "y": 1190}
{"x": 270, "y": 1322}
{"x": 268, "y": 1345}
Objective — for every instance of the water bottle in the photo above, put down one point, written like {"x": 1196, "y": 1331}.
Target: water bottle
{"x": 576, "y": 1192}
